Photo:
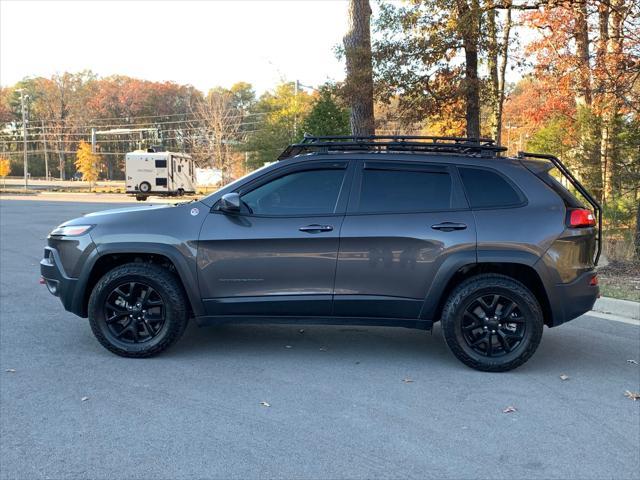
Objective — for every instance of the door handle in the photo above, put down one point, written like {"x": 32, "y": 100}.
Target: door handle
{"x": 316, "y": 228}
{"x": 448, "y": 226}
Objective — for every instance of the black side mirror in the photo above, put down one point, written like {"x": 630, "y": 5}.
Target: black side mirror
{"x": 230, "y": 202}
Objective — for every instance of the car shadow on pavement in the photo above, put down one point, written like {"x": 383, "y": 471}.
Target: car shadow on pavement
{"x": 361, "y": 342}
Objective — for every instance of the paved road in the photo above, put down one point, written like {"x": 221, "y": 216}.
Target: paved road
{"x": 339, "y": 412}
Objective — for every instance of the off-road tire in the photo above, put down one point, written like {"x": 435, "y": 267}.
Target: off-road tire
{"x": 487, "y": 284}
{"x": 168, "y": 287}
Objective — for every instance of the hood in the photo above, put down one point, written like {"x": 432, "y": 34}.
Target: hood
{"x": 115, "y": 211}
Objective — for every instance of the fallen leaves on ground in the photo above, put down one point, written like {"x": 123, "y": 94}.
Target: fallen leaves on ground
{"x": 84, "y": 399}
{"x": 265, "y": 404}
{"x": 407, "y": 380}
{"x": 301, "y": 330}
{"x": 564, "y": 377}
{"x": 509, "y": 409}
{"x": 632, "y": 362}
{"x": 632, "y": 395}
{"x": 10, "y": 370}
{"x": 323, "y": 349}
{"x": 288, "y": 346}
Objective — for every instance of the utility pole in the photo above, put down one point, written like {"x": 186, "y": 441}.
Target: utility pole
{"x": 46, "y": 153}
{"x": 24, "y": 139}
{"x": 295, "y": 109}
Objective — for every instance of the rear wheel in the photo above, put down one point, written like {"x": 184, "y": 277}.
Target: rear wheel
{"x": 492, "y": 323}
{"x": 144, "y": 187}
{"x": 138, "y": 310}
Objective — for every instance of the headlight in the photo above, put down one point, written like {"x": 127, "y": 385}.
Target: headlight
{"x": 71, "y": 230}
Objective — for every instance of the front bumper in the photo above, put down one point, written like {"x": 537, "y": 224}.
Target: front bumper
{"x": 57, "y": 281}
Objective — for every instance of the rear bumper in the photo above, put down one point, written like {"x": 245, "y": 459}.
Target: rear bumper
{"x": 574, "y": 299}
{"x": 57, "y": 281}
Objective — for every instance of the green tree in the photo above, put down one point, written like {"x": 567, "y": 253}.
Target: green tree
{"x": 327, "y": 116}
{"x": 281, "y": 114}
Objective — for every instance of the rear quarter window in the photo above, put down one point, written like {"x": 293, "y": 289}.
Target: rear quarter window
{"x": 488, "y": 189}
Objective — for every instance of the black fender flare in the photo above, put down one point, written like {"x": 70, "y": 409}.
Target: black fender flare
{"x": 186, "y": 272}
{"x": 455, "y": 262}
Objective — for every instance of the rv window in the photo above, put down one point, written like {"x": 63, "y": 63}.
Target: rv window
{"x": 161, "y": 182}
{"x": 161, "y": 164}
{"x": 179, "y": 168}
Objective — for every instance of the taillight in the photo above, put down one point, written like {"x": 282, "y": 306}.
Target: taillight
{"x": 594, "y": 281}
{"x": 580, "y": 217}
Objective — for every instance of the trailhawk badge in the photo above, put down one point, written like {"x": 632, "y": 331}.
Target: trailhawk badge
{"x": 194, "y": 212}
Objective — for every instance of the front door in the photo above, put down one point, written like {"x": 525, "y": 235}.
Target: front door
{"x": 278, "y": 255}
{"x": 404, "y": 220}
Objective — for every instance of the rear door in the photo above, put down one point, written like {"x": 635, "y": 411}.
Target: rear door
{"x": 278, "y": 256}
{"x": 403, "y": 221}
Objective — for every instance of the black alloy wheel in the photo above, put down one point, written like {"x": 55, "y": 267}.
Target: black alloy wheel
{"x": 493, "y": 325}
{"x": 134, "y": 312}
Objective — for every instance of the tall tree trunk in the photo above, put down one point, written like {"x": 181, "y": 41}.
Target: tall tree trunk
{"x": 612, "y": 103}
{"x": 469, "y": 25}
{"x": 589, "y": 130}
{"x": 359, "y": 81}
{"x": 492, "y": 65}
{"x": 504, "y": 57}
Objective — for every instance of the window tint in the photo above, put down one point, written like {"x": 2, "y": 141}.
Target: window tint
{"x": 311, "y": 192}
{"x": 488, "y": 189}
{"x": 404, "y": 191}
{"x": 161, "y": 164}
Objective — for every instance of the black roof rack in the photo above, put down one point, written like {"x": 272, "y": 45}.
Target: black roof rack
{"x": 483, "y": 147}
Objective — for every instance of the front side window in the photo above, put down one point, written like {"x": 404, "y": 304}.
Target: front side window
{"x": 309, "y": 192}
{"x": 404, "y": 191}
{"x": 161, "y": 164}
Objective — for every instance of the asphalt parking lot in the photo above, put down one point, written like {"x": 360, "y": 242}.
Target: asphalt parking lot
{"x": 344, "y": 402}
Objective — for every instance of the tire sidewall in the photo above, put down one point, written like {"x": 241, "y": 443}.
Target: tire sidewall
{"x": 99, "y": 325}
{"x": 147, "y": 188}
{"x": 452, "y": 326}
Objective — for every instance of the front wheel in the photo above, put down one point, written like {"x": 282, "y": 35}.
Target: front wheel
{"x": 138, "y": 310}
{"x": 492, "y": 323}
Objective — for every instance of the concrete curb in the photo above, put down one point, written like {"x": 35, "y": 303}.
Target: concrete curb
{"x": 623, "y": 308}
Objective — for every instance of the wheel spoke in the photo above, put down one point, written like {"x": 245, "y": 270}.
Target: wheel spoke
{"x": 489, "y": 344}
{"x": 513, "y": 335}
{"x": 503, "y": 341}
{"x": 134, "y": 332}
{"x": 145, "y": 296}
{"x": 474, "y": 321}
{"x": 124, "y": 330}
{"x": 479, "y": 341}
{"x": 489, "y": 308}
{"x": 506, "y": 311}
{"x": 517, "y": 319}
{"x": 147, "y": 325}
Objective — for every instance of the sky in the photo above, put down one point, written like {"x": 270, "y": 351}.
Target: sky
{"x": 202, "y": 43}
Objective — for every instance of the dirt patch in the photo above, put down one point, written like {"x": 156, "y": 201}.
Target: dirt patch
{"x": 620, "y": 279}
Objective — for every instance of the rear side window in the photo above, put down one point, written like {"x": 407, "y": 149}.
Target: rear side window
{"x": 552, "y": 177}
{"x": 404, "y": 190}
{"x": 487, "y": 189}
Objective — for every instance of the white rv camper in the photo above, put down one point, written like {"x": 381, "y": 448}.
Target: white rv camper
{"x": 159, "y": 173}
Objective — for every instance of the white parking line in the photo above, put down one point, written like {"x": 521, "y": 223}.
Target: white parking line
{"x": 614, "y": 318}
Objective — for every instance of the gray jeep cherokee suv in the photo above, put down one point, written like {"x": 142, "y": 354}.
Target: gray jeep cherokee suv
{"x": 400, "y": 231}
